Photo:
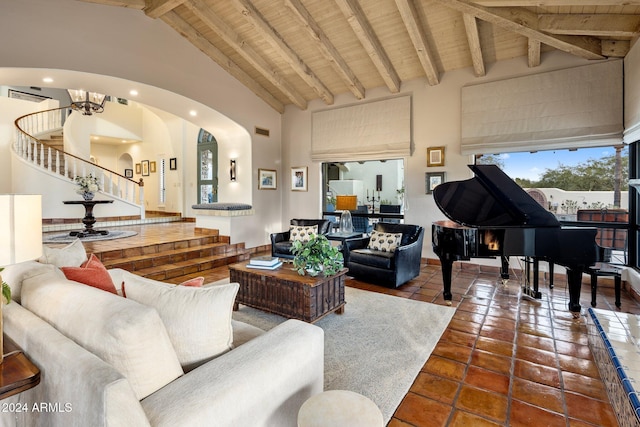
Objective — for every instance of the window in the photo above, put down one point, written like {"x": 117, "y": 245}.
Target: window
{"x": 582, "y": 185}
{"x": 207, "y": 168}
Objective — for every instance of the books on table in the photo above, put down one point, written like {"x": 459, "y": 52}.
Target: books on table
{"x": 265, "y": 262}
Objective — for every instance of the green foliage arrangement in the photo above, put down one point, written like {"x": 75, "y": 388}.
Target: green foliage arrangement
{"x": 6, "y": 291}
{"x": 316, "y": 256}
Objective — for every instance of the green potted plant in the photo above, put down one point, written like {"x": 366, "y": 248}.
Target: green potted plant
{"x": 316, "y": 256}
{"x": 6, "y": 290}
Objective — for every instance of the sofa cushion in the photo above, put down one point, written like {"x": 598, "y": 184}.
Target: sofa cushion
{"x": 377, "y": 259}
{"x": 91, "y": 273}
{"x": 129, "y": 336}
{"x": 198, "y": 320}
{"x": 385, "y": 242}
{"x": 15, "y": 274}
{"x": 72, "y": 255}
{"x": 302, "y": 232}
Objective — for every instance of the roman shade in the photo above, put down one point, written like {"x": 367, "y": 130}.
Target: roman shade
{"x": 575, "y": 107}
{"x": 632, "y": 95}
{"x": 371, "y": 131}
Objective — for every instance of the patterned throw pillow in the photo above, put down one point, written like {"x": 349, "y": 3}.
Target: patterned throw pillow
{"x": 302, "y": 232}
{"x": 385, "y": 242}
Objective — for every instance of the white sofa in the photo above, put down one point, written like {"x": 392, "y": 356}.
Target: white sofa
{"x": 106, "y": 360}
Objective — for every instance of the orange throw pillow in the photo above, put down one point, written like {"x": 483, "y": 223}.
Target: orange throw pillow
{"x": 196, "y": 282}
{"x": 91, "y": 273}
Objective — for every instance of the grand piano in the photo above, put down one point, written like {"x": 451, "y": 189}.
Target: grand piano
{"x": 492, "y": 216}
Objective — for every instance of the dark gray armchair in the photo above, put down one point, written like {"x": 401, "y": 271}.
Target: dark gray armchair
{"x": 280, "y": 244}
{"x": 390, "y": 269}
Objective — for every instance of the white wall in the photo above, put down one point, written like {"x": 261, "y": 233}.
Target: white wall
{"x": 132, "y": 51}
{"x": 435, "y": 121}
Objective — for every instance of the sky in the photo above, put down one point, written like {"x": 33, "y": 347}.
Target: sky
{"x": 532, "y": 165}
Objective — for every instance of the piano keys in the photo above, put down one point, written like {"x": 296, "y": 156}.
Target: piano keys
{"x": 492, "y": 216}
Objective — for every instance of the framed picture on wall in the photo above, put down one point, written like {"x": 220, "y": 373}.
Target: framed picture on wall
{"x": 145, "y": 168}
{"x": 173, "y": 163}
{"x": 267, "y": 179}
{"x": 128, "y": 173}
{"x": 299, "y": 178}
{"x": 138, "y": 168}
{"x": 435, "y": 156}
{"x": 152, "y": 167}
{"x": 432, "y": 180}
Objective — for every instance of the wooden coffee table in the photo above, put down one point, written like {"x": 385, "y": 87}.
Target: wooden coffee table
{"x": 283, "y": 291}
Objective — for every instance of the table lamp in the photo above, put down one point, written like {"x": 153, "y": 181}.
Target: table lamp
{"x": 20, "y": 234}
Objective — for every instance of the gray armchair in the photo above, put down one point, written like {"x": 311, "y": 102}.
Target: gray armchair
{"x": 280, "y": 243}
{"x": 390, "y": 269}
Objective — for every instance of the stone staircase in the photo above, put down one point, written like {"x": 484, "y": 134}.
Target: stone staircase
{"x": 174, "y": 261}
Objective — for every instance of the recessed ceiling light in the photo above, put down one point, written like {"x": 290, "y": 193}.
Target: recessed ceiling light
{"x": 193, "y": 113}
{"x": 47, "y": 80}
{"x": 133, "y": 92}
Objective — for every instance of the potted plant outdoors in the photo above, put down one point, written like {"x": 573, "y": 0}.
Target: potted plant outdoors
{"x": 316, "y": 256}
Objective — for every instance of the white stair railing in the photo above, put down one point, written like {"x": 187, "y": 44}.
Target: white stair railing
{"x": 30, "y": 148}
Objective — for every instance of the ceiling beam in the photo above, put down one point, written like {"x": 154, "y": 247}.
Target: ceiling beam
{"x": 327, "y": 48}
{"x": 361, "y": 27}
{"x": 271, "y": 36}
{"x": 188, "y": 32}
{"x": 473, "y": 38}
{"x": 524, "y": 22}
{"x": 615, "y": 48}
{"x": 156, "y": 8}
{"x": 604, "y": 25}
{"x": 201, "y": 10}
{"x": 133, "y": 4}
{"x": 533, "y": 53}
{"x": 550, "y": 3}
{"x": 412, "y": 24}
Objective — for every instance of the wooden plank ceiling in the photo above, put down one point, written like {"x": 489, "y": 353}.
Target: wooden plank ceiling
{"x": 295, "y": 51}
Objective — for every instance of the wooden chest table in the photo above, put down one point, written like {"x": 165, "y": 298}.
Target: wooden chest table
{"x": 283, "y": 291}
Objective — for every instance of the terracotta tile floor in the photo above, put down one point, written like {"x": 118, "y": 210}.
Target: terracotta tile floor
{"x": 502, "y": 361}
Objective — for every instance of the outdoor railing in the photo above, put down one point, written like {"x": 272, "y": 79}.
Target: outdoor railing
{"x": 29, "y": 147}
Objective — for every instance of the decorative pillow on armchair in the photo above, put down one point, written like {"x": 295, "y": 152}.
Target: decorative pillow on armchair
{"x": 302, "y": 232}
{"x": 198, "y": 319}
{"x": 385, "y": 242}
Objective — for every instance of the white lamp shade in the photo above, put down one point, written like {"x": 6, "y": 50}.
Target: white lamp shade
{"x": 20, "y": 228}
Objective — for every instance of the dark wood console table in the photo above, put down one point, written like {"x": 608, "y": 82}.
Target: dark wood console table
{"x": 17, "y": 372}
{"x": 88, "y": 219}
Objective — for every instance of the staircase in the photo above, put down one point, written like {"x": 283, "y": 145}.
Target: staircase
{"x": 177, "y": 261}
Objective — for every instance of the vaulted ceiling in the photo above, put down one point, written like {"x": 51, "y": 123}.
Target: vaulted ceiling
{"x": 295, "y": 51}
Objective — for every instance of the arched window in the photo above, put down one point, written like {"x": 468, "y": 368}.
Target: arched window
{"x": 207, "y": 168}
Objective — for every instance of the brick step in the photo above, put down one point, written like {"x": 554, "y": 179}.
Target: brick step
{"x": 170, "y": 260}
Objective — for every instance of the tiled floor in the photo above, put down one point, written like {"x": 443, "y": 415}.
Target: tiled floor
{"x": 502, "y": 361}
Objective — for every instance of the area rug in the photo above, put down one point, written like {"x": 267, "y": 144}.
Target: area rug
{"x": 66, "y": 238}
{"x": 377, "y": 347}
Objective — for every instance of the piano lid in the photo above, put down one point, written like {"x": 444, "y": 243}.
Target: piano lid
{"x": 491, "y": 199}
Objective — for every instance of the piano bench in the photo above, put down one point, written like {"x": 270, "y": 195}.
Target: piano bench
{"x": 601, "y": 269}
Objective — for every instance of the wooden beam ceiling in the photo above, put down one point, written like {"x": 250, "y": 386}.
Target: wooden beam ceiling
{"x": 312, "y": 49}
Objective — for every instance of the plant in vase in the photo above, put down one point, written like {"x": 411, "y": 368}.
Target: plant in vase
{"x": 6, "y": 299}
{"x": 88, "y": 185}
{"x": 316, "y": 256}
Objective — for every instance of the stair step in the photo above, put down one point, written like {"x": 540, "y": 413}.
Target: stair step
{"x": 166, "y": 261}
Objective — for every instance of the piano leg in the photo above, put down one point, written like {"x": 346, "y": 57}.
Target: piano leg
{"x": 526, "y": 289}
{"x": 574, "y": 279}
{"x": 550, "y": 275}
{"x": 447, "y": 266}
{"x": 504, "y": 270}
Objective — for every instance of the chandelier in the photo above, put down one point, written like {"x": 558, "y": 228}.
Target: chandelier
{"x": 87, "y": 102}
